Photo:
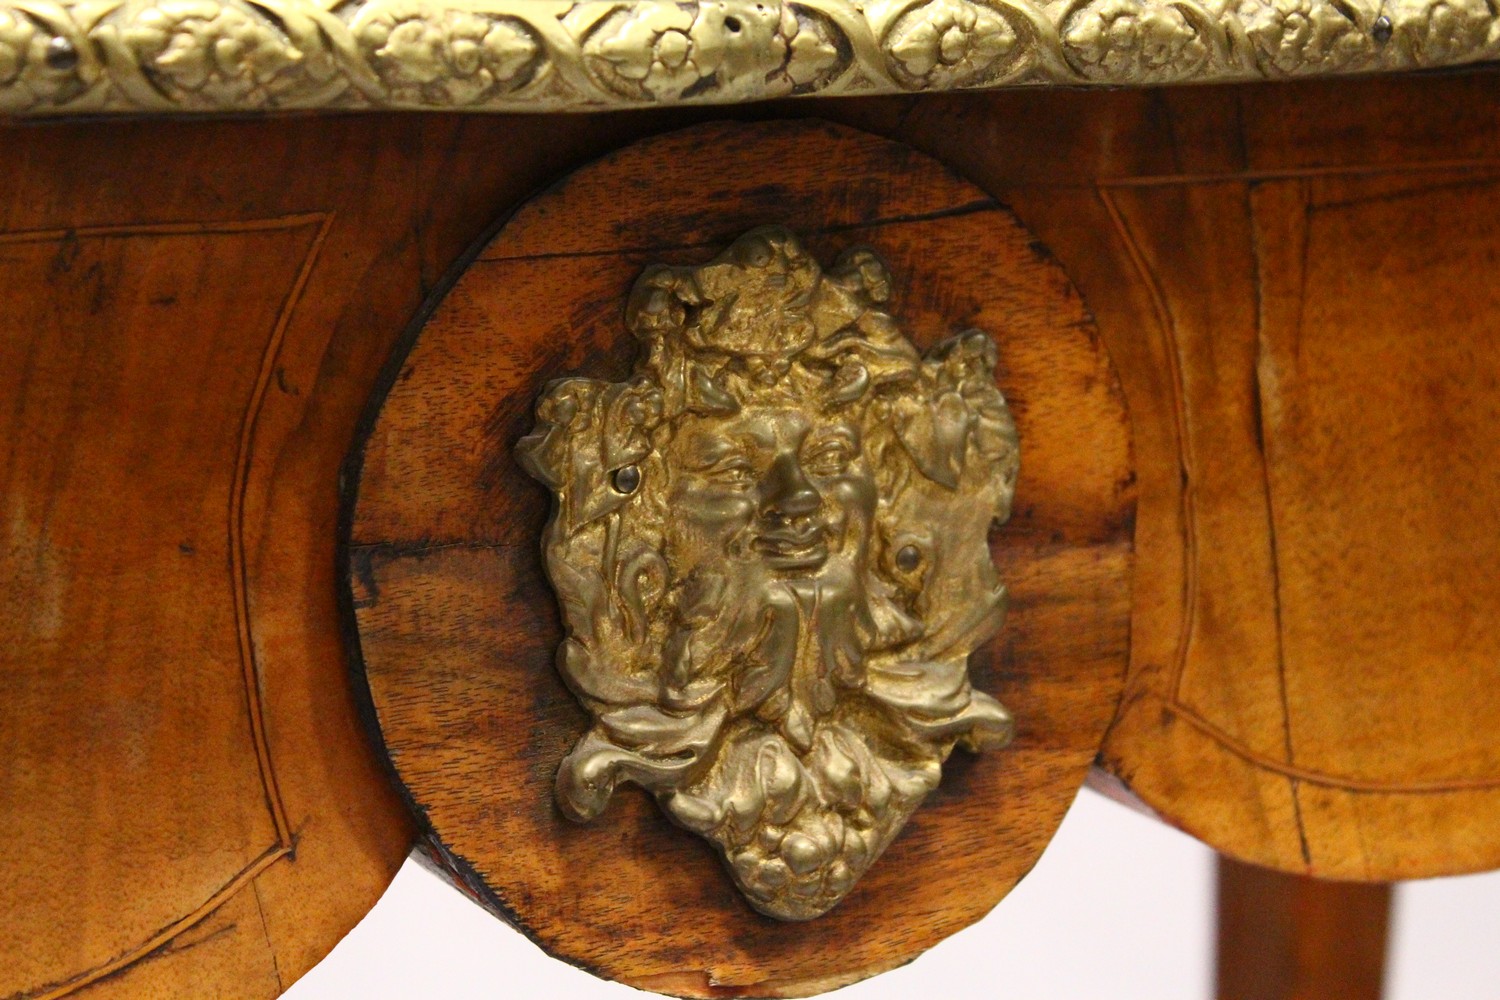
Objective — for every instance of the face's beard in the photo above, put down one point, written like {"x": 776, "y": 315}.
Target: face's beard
{"x": 796, "y": 728}
{"x": 802, "y": 786}
{"x": 795, "y": 723}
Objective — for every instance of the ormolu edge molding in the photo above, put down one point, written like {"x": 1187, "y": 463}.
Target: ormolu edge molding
{"x": 89, "y": 56}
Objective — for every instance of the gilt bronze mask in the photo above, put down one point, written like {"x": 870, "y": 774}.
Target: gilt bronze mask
{"x": 770, "y": 546}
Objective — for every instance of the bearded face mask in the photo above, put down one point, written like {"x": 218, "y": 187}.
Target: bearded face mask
{"x": 770, "y": 546}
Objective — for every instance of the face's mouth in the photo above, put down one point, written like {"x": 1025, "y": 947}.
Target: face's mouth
{"x": 788, "y": 549}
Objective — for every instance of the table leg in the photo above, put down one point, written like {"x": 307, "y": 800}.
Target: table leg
{"x": 1290, "y": 937}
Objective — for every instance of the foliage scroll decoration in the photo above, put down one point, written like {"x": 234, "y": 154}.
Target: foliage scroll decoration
{"x": 96, "y": 56}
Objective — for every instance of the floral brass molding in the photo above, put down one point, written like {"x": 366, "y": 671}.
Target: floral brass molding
{"x": 771, "y": 549}
{"x": 93, "y": 56}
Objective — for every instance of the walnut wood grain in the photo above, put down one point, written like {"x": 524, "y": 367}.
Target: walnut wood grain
{"x": 458, "y": 629}
{"x": 1322, "y": 664}
{"x": 110, "y": 483}
{"x": 1289, "y": 283}
{"x": 191, "y": 806}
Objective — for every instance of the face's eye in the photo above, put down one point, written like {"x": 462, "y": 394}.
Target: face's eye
{"x": 626, "y": 480}
{"x": 829, "y": 458}
{"x": 736, "y": 473}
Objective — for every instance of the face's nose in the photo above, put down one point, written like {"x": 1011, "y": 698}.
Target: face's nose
{"x": 786, "y": 491}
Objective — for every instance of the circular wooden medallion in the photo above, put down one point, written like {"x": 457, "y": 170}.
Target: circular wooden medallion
{"x": 458, "y": 629}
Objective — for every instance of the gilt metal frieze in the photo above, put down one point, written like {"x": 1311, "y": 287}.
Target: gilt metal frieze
{"x": 75, "y": 57}
{"x": 770, "y": 545}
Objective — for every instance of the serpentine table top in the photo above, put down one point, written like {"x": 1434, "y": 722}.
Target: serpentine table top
{"x": 1255, "y": 321}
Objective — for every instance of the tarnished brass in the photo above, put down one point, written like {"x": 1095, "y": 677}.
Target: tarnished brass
{"x": 770, "y": 545}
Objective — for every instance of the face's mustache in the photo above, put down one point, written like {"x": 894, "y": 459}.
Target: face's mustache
{"x": 796, "y": 534}
{"x": 790, "y": 548}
